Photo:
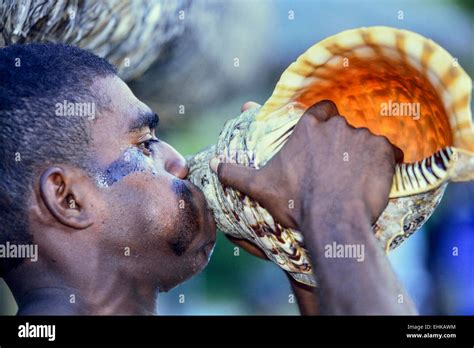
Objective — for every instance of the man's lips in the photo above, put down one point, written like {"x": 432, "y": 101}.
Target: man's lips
{"x": 212, "y": 223}
{"x": 209, "y": 247}
{"x": 198, "y": 195}
{"x": 207, "y": 224}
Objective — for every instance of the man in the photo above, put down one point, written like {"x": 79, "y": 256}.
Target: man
{"x": 84, "y": 178}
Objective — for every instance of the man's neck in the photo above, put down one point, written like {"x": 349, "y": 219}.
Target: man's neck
{"x": 48, "y": 301}
{"x": 113, "y": 295}
{"x": 64, "y": 301}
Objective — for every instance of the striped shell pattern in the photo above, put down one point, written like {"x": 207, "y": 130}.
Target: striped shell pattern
{"x": 372, "y": 74}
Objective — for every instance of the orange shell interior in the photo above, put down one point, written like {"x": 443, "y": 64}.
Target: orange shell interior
{"x": 360, "y": 91}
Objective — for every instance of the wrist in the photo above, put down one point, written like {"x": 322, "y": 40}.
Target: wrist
{"x": 327, "y": 220}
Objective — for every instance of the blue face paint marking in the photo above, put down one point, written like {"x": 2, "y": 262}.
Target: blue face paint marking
{"x": 132, "y": 160}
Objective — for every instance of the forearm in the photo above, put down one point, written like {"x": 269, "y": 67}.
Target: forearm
{"x": 306, "y": 297}
{"x": 354, "y": 276}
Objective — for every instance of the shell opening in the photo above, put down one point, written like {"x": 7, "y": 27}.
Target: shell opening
{"x": 388, "y": 97}
{"x": 380, "y": 81}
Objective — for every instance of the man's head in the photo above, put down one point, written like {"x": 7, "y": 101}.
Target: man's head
{"x": 83, "y": 176}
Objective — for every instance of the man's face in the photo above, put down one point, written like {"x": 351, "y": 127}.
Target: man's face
{"x": 152, "y": 224}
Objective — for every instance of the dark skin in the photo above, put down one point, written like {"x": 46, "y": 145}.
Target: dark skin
{"x": 306, "y": 296}
{"x": 109, "y": 244}
{"x": 146, "y": 207}
{"x": 335, "y": 200}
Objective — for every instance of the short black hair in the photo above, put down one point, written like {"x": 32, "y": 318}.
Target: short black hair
{"x": 34, "y": 78}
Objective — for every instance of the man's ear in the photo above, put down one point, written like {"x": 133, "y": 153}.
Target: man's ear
{"x": 64, "y": 193}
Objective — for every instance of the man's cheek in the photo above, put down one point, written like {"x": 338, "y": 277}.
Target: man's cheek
{"x": 134, "y": 200}
{"x": 130, "y": 161}
{"x": 156, "y": 202}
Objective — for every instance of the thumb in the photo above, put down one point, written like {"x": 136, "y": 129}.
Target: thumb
{"x": 236, "y": 176}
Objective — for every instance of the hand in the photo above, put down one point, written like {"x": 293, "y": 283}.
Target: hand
{"x": 243, "y": 243}
{"x": 325, "y": 163}
{"x": 305, "y": 296}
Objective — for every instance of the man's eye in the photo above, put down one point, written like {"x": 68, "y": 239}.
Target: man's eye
{"x": 147, "y": 146}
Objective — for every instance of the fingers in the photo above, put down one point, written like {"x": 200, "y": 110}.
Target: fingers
{"x": 248, "y": 247}
{"x": 323, "y": 110}
{"x": 236, "y": 176}
{"x": 249, "y": 105}
{"x": 399, "y": 155}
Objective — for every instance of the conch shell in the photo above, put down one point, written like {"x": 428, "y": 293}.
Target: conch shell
{"x": 394, "y": 82}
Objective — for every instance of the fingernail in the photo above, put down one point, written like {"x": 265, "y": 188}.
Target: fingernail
{"x": 214, "y": 164}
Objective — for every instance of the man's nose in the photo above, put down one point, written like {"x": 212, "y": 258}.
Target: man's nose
{"x": 174, "y": 162}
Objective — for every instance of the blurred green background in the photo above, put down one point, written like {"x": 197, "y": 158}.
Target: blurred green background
{"x": 196, "y": 90}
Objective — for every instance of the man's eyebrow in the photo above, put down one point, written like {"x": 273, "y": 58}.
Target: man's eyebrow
{"x": 145, "y": 119}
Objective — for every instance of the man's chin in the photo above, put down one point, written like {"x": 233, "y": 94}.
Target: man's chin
{"x": 197, "y": 262}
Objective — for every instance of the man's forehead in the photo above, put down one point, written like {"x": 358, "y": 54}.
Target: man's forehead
{"x": 111, "y": 133}
{"x": 124, "y": 107}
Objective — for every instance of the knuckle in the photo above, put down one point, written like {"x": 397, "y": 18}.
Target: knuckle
{"x": 371, "y": 137}
{"x": 364, "y": 131}
{"x": 338, "y": 121}
{"x": 381, "y": 141}
{"x": 367, "y": 136}
{"x": 309, "y": 120}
